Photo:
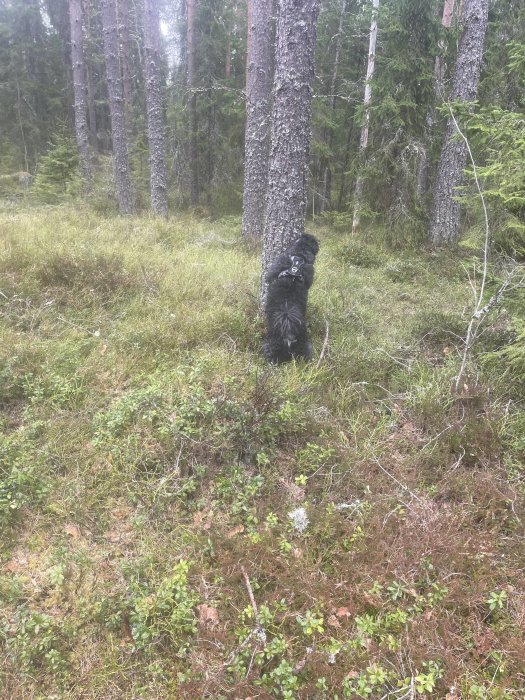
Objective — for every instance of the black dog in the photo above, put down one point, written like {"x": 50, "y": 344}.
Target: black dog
{"x": 289, "y": 278}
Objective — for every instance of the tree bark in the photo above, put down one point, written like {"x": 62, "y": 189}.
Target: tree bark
{"x": 116, "y": 108}
{"x": 190, "y": 49}
{"x": 291, "y": 128}
{"x": 444, "y": 227}
{"x": 155, "y": 109}
{"x": 228, "y": 62}
{"x": 259, "y": 61}
{"x": 363, "y": 142}
{"x": 125, "y": 53}
{"x": 79, "y": 90}
{"x": 90, "y": 86}
{"x": 439, "y": 70}
{"x": 92, "y": 113}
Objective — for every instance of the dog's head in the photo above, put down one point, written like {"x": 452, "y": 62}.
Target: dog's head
{"x": 307, "y": 246}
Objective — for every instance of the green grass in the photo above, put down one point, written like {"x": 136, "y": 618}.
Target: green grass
{"x": 149, "y": 461}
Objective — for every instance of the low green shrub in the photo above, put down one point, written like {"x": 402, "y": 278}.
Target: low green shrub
{"x": 21, "y": 481}
{"x": 164, "y": 613}
{"x": 37, "y": 642}
{"x": 356, "y": 253}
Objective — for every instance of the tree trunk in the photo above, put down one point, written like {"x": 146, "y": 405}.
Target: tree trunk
{"x": 116, "y": 108}
{"x": 291, "y": 127}
{"x": 90, "y": 82}
{"x": 155, "y": 110}
{"x": 92, "y": 113}
{"x": 326, "y": 194}
{"x": 259, "y": 61}
{"x": 190, "y": 48}
{"x": 125, "y": 54}
{"x": 444, "y": 227}
{"x": 228, "y": 62}
{"x": 210, "y": 128}
{"x": 363, "y": 143}
{"x": 439, "y": 71}
{"x": 79, "y": 89}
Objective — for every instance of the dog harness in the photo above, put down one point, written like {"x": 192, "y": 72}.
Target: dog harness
{"x": 295, "y": 269}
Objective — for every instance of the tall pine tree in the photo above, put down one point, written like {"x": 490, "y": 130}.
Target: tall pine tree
{"x": 445, "y": 224}
{"x": 155, "y": 109}
{"x": 79, "y": 89}
{"x": 116, "y": 108}
{"x": 259, "y": 62}
{"x": 291, "y": 127}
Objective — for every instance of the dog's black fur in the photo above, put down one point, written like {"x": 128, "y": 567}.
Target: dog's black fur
{"x": 289, "y": 278}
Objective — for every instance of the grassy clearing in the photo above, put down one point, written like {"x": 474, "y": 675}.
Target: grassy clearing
{"x": 148, "y": 458}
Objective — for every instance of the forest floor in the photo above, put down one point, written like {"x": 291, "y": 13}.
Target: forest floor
{"x": 154, "y": 472}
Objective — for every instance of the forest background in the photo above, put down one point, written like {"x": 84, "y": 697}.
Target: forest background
{"x": 178, "y": 519}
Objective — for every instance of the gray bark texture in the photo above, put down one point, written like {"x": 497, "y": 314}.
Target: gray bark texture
{"x": 124, "y": 21}
{"x": 92, "y": 114}
{"x": 445, "y": 222}
{"x": 259, "y": 62}
{"x": 79, "y": 89}
{"x": 291, "y": 128}
{"x": 93, "y": 140}
{"x": 190, "y": 49}
{"x": 116, "y": 109}
{"x": 155, "y": 109}
{"x": 422, "y": 183}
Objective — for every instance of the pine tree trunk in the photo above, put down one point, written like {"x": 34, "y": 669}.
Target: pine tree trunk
{"x": 124, "y": 22}
{"x": 326, "y": 196}
{"x": 228, "y": 62}
{"x": 116, "y": 108}
{"x": 79, "y": 88}
{"x": 444, "y": 227}
{"x": 291, "y": 127}
{"x": 439, "y": 70}
{"x": 363, "y": 143}
{"x": 155, "y": 109}
{"x": 92, "y": 112}
{"x": 90, "y": 84}
{"x": 210, "y": 129}
{"x": 190, "y": 49}
{"x": 259, "y": 61}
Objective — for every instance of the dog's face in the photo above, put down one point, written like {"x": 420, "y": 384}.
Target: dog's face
{"x": 307, "y": 246}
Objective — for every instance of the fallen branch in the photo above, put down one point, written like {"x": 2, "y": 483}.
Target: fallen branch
{"x": 250, "y": 592}
{"x": 258, "y": 632}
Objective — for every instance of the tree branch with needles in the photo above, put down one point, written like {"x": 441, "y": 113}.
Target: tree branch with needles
{"x": 481, "y": 310}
